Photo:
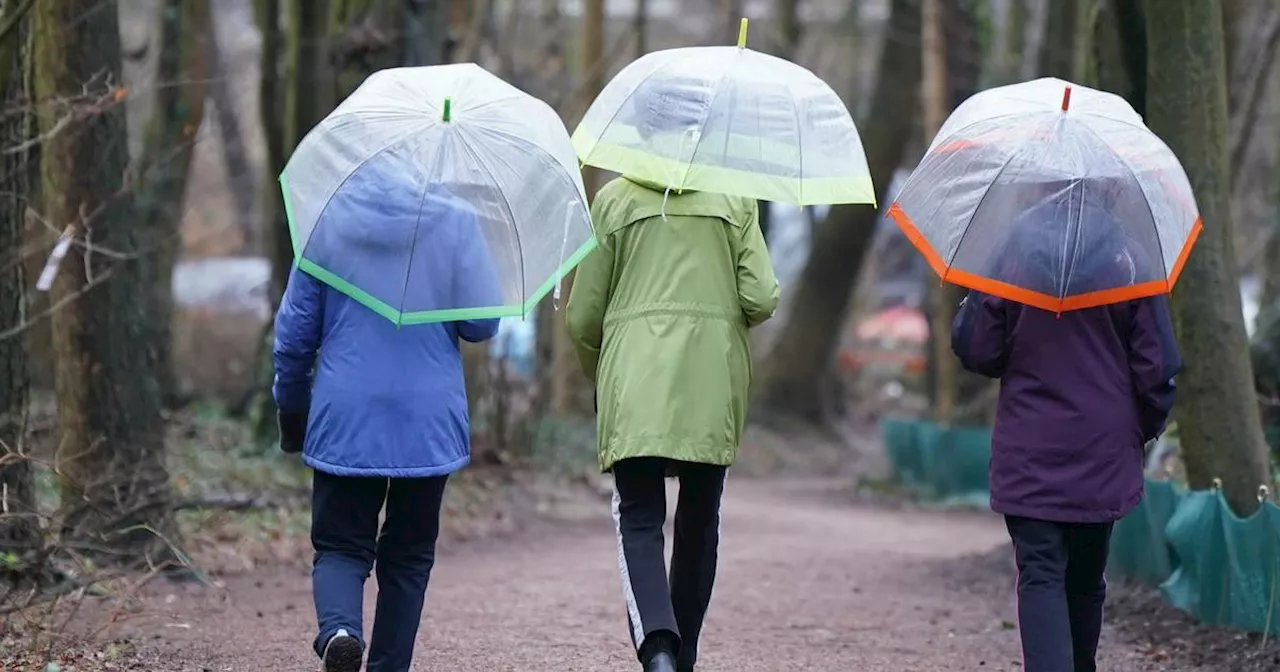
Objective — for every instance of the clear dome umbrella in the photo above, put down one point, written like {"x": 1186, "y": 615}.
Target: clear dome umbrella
{"x": 1053, "y": 195}
{"x": 438, "y": 193}
{"x": 727, "y": 120}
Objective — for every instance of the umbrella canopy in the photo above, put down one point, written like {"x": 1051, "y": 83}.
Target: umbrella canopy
{"x": 1053, "y": 195}
{"x": 438, "y": 193}
{"x": 727, "y": 120}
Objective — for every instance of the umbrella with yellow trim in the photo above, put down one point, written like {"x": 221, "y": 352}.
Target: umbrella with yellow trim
{"x": 728, "y": 120}
{"x": 1053, "y": 195}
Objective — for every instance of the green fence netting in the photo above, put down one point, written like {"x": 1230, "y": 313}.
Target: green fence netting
{"x": 1139, "y": 551}
{"x": 938, "y": 462}
{"x": 1219, "y": 568}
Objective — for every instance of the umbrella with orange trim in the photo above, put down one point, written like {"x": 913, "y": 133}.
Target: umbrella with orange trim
{"x": 1053, "y": 195}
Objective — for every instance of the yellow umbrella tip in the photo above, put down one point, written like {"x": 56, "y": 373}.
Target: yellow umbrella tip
{"x": 742, "y": 33}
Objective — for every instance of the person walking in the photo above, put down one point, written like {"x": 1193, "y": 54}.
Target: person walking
{"x": 383, "y": 420}
{"x": 659, "y": 315}
{"x": 1081, "y": 393}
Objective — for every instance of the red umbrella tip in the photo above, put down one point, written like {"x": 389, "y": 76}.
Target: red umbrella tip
{"x": 1066, "y": 98}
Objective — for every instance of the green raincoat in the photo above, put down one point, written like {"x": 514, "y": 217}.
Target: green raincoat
{"x": 659, "y": 316}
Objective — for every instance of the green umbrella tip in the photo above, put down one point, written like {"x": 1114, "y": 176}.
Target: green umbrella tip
{"x": 742, "y": 34}
{"x": 448, "y": 110}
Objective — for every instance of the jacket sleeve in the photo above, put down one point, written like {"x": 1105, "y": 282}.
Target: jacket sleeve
{"x": 299, "y": 327}
{"x": 475, "y": 281}
{"x": 588, "y": 301}
{"x": 979, "y": 335}
{"x": 758, "y": 290}
{"x": 1153, "y": 363}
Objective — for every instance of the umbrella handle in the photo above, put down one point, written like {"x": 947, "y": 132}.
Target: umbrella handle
{"x": 564, "y": 242}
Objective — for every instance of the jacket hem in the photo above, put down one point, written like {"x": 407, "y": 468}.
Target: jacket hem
{"x": 1059, "y": 515}
{"x": 696, "y": 454}
{"x": 387, "y": 472}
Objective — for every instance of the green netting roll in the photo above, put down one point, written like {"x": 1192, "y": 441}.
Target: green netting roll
{"x": 1201, "y": 583}
{"x": 903, "y": 450}
{"x": 939, "y": 462}
{"x": 1139, "y": 551}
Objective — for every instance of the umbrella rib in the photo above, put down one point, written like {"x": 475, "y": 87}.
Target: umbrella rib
{"x": 969, "y": 224}
{"x": 1145, "y": 201}
{"x": 502, "y": 197}
{"x": 710, "y": 104}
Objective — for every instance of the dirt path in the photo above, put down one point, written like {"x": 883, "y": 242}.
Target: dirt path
{"x": 807, "y": 582}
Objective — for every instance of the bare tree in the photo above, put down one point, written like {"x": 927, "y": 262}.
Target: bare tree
{"x": 797, "y": 374}
{"x": 1218, "y": 415}
{"x": 19, "y": 532}
{"x": 160, "y": 174}
{"x": 115, "y": 488}
{"x": 235, "y": 158}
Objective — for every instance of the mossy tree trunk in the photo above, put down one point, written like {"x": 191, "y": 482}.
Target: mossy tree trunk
{"x": 115, "y": 489}
{"x": 1218, "y": 417}
{"x": 161, "y": 172}
{"x": 19, "y": 528}
{"x": 797, "y": 377}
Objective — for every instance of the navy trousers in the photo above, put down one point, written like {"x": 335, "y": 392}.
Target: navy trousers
{"x": 348, "y": 544}
{"x": 1061, "y": 590}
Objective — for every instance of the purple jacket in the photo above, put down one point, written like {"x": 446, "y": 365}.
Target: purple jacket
{"x": 1080, "y": 395}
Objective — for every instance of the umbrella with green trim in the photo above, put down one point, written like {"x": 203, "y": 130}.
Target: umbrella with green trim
{"x": 436, "y": 194}
{"x": 727, "y": 120}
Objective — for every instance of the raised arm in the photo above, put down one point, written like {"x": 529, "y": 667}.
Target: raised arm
{"x": 1153, "y": 362}
{"x": 299, "y": 327}
{"x": 758, "y": 290}
{"x": 979, "y": 335}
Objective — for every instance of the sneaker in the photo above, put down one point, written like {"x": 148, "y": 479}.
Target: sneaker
{"x": 342, "y": 653}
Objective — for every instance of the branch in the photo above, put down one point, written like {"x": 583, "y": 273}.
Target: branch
{"x": 11, "y": 21}
{"x": 1254, "y": 87}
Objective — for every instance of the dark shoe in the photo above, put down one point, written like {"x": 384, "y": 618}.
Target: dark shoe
{"x": 343, "y": 653}
{"x": 684, "y": 668}
{"x": 661, "y": 662}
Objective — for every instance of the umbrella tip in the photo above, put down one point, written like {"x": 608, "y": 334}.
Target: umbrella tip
{"x": 742, "y": 34}
{"x": 1066, "y": 98}
{"x": 448, "y": 110}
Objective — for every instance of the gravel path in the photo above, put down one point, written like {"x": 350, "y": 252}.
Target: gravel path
{"x": 808, "y": 581}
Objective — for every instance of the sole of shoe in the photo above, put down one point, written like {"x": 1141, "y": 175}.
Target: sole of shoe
{"x": 343, "y": 655}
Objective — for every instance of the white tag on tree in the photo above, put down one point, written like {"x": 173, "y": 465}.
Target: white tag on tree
{"x": 50, "y": 271}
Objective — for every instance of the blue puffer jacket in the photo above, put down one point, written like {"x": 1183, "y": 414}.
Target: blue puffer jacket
{"x": 384, "y": 400}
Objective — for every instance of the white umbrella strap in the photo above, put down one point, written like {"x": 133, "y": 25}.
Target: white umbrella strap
{"x": 692, "y": 131}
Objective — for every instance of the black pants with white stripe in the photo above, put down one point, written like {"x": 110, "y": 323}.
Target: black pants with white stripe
{"x": 656, "y": 604}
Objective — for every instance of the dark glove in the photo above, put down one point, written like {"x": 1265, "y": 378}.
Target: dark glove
{"x": 293, "y": 431}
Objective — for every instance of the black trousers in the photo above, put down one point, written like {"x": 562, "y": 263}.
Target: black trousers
{"x": 348, "y": 544}
{"x": 676, "y": 605}
{"x": 1061, "y": 590}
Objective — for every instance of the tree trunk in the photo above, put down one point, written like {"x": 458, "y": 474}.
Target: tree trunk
{"x": 160, "y": 176}
{"x": 19, "y": 528}
{"x": 1131, "y": 22}
{"x": 1218, "y": 416}
{"x": 797, "y": 374}
{"x": 115, "y": 489}
{"x": 235, "y": 159}
{"x": 360, "y": 42}
{"x": 933, "y": 45}
{"x": 641, "y": 27}
{"x": 426, "y": 33}
{"x": 1057, "y": 51}
{"x": 570, "y": 393}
